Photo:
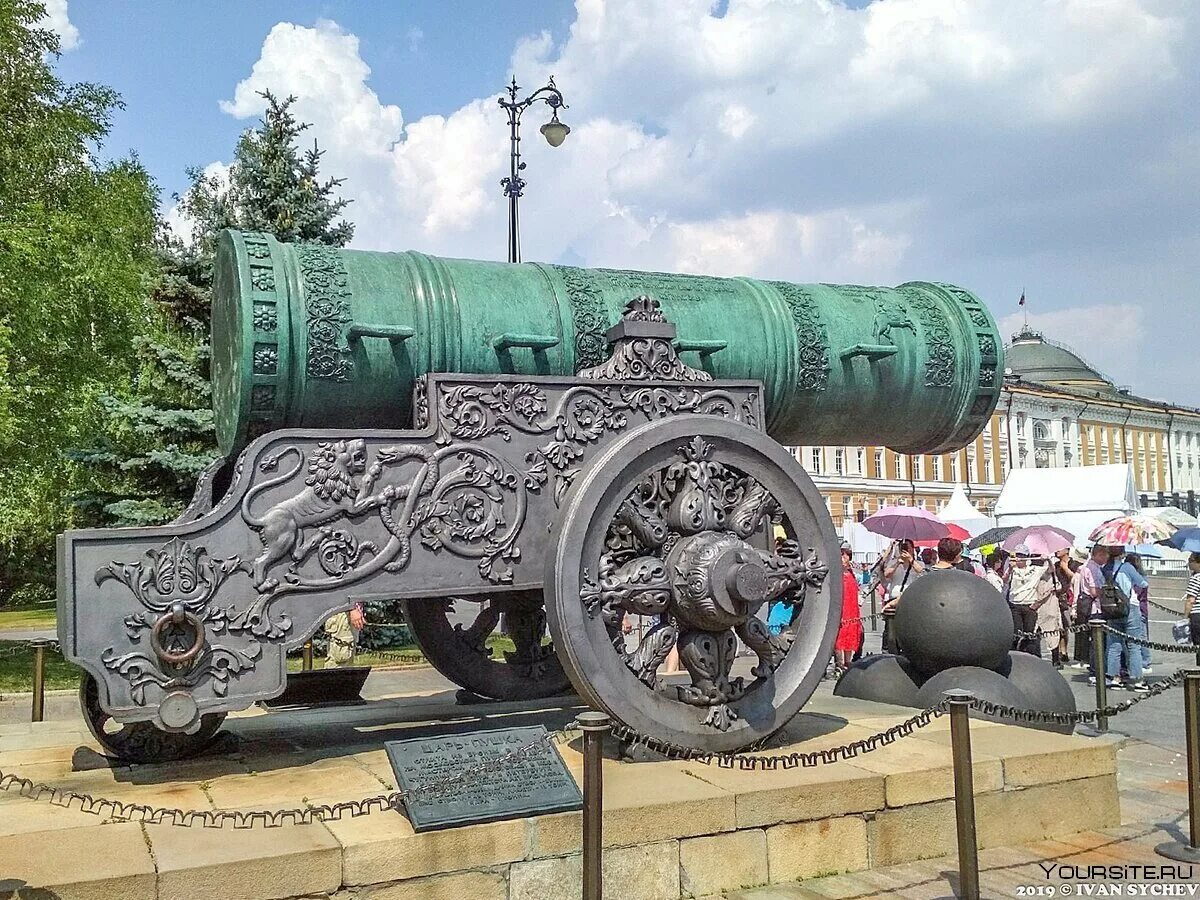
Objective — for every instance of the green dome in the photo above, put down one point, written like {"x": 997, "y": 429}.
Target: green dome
{"x": 1033, "y": 358}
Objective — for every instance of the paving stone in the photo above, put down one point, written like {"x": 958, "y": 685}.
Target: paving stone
{"x": 1040, "y": 757}
{"x": 812, "y": 849}
{"x": 1018, "y": 817}
{"x": 338, "y": 779}
{"x": 643, "y": 803}
{"x": 723, "y": 862}
{"x": 100, "y": 862}
{"x": 918, "y": 771}
{"x": 383, "y": 847}
{"x": 44, "y": 739}
{"x": 459, "y": 886}
{"x": 795, "y": 795}
{"x": 245, "y": 864}
{"x": 905, "y": 833}
{"x": 647, "y": 872}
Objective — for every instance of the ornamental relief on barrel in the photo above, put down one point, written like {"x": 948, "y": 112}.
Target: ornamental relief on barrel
{"x": 327, "y": 311}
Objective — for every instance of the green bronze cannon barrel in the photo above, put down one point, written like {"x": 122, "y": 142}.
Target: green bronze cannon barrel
{"x": 309, "y": 335}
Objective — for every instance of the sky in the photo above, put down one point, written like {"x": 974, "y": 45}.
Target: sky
{"x": 1050, "y": 147}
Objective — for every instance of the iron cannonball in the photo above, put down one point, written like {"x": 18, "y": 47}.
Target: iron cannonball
{"x": 948, "y": 619}
{"x": 883, "y": 679}
{"x": 983, "y": 683}
{"x": 1045, "y": 687}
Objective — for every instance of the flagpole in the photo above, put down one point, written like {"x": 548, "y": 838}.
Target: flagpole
{"x": 1024, "y": 307}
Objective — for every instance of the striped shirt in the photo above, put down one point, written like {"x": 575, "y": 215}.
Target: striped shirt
{"x": 1193, "y": 586}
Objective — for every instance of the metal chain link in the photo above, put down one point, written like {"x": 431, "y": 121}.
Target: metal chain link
{"x": 117, "y": 810}
{"x": 1177, "y": 612}
{"x": 1070, "y": 629}
{"x": 1153, "y": 645}
{"x": 790, "y": 760}
{"x": 1087, "y": 716}
{"x": 277, "y": 818}
{"x": 22, "y": 646}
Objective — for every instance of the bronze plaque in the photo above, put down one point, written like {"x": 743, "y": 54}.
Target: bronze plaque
{"x": 533, "y": 784}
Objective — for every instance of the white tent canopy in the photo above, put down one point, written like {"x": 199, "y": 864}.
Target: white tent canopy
{"x": 962, "y": 512}
{"x": 1077, "y": 498}
{"x": 1172, "y": 515}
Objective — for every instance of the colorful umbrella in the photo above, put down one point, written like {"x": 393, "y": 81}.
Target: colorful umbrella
{"x": 1138, "y": 529}
{"x": 1038, "y": 540}
{"x": 956, "y": 531}
{"x": 1186, "y": 539}
{"x": 906, "y": 522}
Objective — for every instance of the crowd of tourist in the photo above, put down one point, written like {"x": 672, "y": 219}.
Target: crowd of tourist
{"x": 1046, "y": 596}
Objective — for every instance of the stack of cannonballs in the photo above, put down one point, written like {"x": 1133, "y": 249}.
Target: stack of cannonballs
{"x": 955, "y": 630}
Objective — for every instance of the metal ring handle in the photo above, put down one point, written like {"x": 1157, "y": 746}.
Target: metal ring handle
{"x": 176, "y": 659}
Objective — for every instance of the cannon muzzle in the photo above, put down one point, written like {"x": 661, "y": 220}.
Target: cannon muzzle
{"x": 310, "y": 335}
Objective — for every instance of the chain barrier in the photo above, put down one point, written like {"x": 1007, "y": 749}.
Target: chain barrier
{"x": 1164, "y": 608}
{"x": 121, "y": 811}
{"x": 1071, "y": 629}
{"x": 1084, "y": 717}
{"x": 790, "y": 760}
{"x": 117, "y": 810}
{"x": 23, "y": 646}
{"x": 1153, "y": 645}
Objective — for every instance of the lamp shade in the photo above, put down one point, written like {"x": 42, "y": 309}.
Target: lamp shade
{"x": 555, "y": 132}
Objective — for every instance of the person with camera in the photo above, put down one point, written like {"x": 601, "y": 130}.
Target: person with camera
{"x": 1117, "y": 603}
{"x": 900, "y": 569}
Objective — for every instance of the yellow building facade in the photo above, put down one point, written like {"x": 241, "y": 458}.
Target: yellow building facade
{"x": 1055, "y": 410}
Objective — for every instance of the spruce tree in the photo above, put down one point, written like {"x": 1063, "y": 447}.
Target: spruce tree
{"x": 159, "y": 435}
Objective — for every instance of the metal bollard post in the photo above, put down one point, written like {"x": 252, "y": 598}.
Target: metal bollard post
{"x": 874, "y": 609}
{"x": 39, "y": 678}
{"x": 594, "y": 725}
{"x": 1098, "y": 659}
{"x": 306, "y": 657}
{"x": 1178, "y": 850}
{"x": 964, "y": 793}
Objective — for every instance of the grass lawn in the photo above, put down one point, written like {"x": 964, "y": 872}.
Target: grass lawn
{"x": 16, "y": 670}
{"x": 35, "y": 617}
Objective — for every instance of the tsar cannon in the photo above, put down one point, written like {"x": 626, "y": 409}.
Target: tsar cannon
{"x": 552, "y": 448}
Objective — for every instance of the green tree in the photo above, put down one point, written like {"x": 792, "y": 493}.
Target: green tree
{"x": 159, "y": 435}
{"x": 76, "y": 253}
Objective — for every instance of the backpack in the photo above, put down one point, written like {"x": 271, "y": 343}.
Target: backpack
{"x": 1114, "y": 602}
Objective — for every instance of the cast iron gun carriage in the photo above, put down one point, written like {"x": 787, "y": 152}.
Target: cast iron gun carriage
{"x": 578, "y": 447}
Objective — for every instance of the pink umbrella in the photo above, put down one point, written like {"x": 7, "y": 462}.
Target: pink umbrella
{"x": 906, "y": 522}
{"x": 1039, "y": 540}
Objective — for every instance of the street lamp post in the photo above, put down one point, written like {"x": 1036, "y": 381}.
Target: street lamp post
{"x": 555, "y": 133}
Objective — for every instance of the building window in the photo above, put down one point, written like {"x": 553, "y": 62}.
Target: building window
{"x": 817, "y": 455}
{"x": 879, "y": 504}
{"x": 918, "y": 464}
{"x": 899, "y": 466}
{"x": 1020, "y": 424}
{"x": 987, "y": 465}
{"x": 921, "y": 503}
{"x": 972, "y": 469}
{"x": 935, "y": 468}
{"x": 879, "y": 473}
{"x": 955, "y": 469}
{"x": 848, "y": 507}
{"x": 839, "y": 461}
{"x": 860, "y": 459}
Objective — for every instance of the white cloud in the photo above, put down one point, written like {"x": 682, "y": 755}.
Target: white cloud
{"x": 177, "y": 220}
{"x": 986, "y": 142}
{"x": 58, "y": 21}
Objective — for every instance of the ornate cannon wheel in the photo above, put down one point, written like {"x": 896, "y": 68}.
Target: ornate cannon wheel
{"x": 674, "y": 521}
{"x": 142, "y": 742}
{"x": 530, "y": 672}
